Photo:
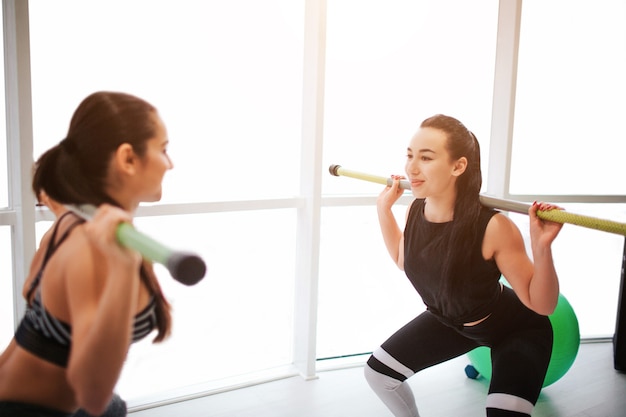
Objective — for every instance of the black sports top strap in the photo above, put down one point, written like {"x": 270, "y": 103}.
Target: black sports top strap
{"x": 52, "y": 246}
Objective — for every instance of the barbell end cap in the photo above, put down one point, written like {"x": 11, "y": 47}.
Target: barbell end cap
{"x": 333, "y": 169}
{"x": 186, "y": 268}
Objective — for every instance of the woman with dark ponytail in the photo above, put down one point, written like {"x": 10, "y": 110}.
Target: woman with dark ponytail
{"x": 454, "y": 251}
{"x": 88, "y": 298}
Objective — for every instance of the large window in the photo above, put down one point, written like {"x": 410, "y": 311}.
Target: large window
{"x": 570, "y": 105}
{"x": 568, "y": 139}
{"x": 239, "y": 319}
{"x": 226, "y": 77}
{"x": 364, "y": 297}
{"x": 390, "y": 64}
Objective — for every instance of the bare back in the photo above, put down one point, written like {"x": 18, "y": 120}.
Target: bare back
{"x": 75, "y": 270}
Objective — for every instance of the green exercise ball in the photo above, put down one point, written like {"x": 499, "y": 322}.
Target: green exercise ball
{"x": 564, "y": 348}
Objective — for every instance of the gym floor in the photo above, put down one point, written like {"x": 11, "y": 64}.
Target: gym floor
{"x": 591, "y": 388}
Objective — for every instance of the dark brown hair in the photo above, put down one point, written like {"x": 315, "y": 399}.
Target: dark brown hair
{"x": 75, "y": 171}
{"x": 463, "y": 236}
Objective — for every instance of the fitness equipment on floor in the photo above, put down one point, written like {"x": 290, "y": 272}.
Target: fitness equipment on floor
{"x": 564, "y": 348}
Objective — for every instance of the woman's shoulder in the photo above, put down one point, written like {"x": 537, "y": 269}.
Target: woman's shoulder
{"x": 54, "y": 242}
{"x": 416, "y": 206}
{"x": 499, "y": 223}
{"x": 501, "y": 231}
{"x": 74, "y": 256}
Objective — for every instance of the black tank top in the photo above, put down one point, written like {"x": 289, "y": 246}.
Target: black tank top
{"x": 423, "y": 263}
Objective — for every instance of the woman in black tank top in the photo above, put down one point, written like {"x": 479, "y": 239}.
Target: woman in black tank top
{"x": 454, "y": 251}
{"x": 88, "y": 297}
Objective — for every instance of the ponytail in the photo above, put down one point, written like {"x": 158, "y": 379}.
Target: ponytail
{"x": 460, "y": 143}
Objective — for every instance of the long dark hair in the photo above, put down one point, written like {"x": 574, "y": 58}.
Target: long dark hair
{"x": 75, "y": 170}
{"x": 463, "y": 234}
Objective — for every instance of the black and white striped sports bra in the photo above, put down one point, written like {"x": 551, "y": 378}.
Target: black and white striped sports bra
{"x": 49, "y": 338}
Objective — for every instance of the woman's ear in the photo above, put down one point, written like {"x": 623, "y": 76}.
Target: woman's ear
{"x": 459, "y": 166}
{"x": 125, "y": 158}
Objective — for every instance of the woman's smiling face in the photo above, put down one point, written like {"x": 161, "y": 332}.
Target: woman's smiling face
{"x": 429, "y": 167}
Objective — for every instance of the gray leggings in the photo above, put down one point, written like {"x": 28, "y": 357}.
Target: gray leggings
{"x": 521, "y": 347}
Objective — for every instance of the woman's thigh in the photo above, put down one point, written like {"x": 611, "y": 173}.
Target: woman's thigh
{"x": 520, "y": 363}
{"x": 425, "y": 341}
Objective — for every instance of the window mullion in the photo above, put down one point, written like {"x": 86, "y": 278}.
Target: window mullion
{"x": 19, "y": 141}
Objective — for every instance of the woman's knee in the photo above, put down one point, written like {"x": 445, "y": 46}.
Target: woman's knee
{"x": 379, "y": 381}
